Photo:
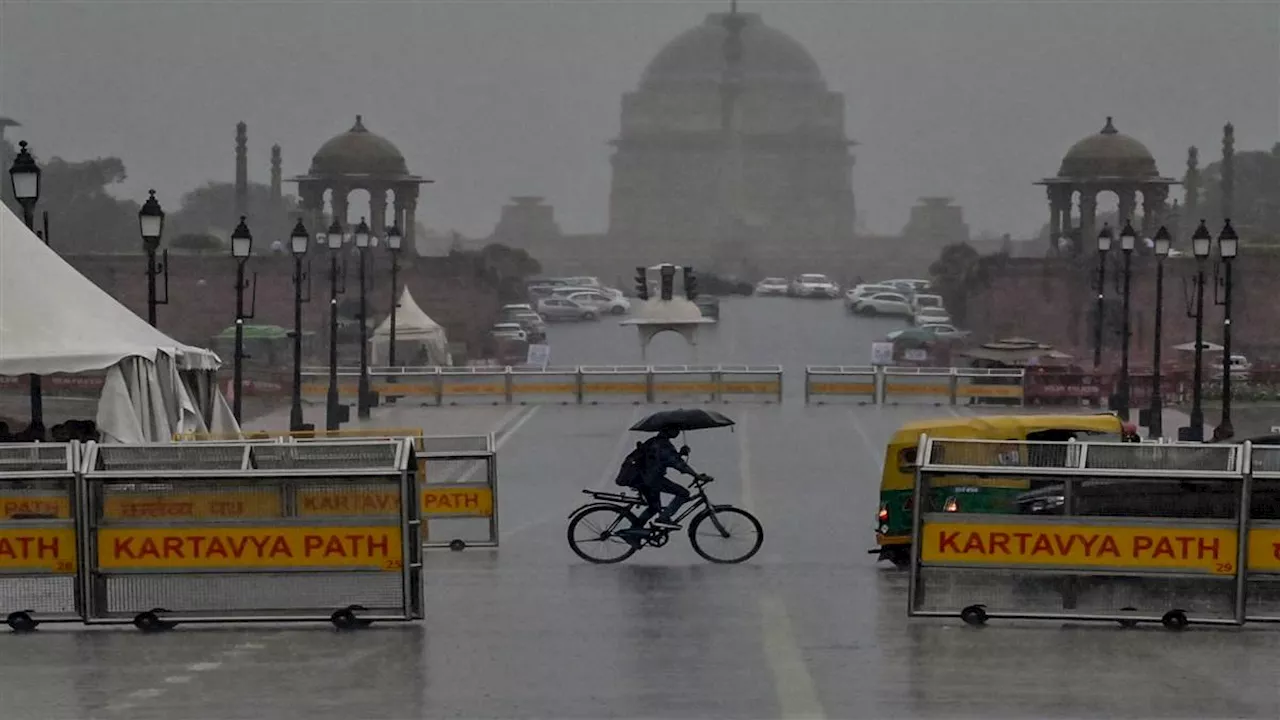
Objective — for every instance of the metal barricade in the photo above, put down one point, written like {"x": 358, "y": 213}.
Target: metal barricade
{"x": 458, "y": 492}
{"x": 38, "y": 561}
{"x": 419, "y": 384}
{"x": 551, "y": 385}
{"x": 683, "y": 383}
{"x": 461, "y": 385}
{"x": 1127, "y": 532}
{"x": 615, "y": 383}
{"x": 917, "y": 385}
{"x": 1004, "y": 386}
{"x": 315, "y": 384}
{"x": 759, "y": 383}
{"x": 825, "y": 383}
{"x": 250, "y": 531}
{"x": 1263, "y": 585}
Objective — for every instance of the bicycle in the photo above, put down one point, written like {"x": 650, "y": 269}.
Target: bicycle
{"x": 600, "y": 524}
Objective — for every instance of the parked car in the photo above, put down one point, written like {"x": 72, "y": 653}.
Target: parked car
{"x": 945, "y": 330}
{"x": 509, "y": 331}
{"x": 814, "y": 285}
{"x": 852, "y": 297}
{"x": 931, "y": 316}
{"x": 911, "y": 285}
{"x": 532, "y": 324}
{"x": 517, "y": 308}
{"x": 884, "y": 303}
{"x": 602, "y": 303}
{"x": 559, "y": 308}
{"x": 925, "y": 300}
{"x": 1240, "y": 368}
{"x": 773, "y": 286}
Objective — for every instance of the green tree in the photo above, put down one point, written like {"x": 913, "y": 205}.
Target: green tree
{"x": 955, "y": 273}
{"x": 211, "y": 210}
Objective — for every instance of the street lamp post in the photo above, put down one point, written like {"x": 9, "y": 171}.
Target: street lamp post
{"x": 361, "y": 237}
{"x": 1127, "y": 241}
{"x": 1104, "y": 245}
{"x": 332, "y": 413}
{"x": 151, "y": 224}
{"x": 1228, "y": 246}
{"x": 241, "y": 247}
{"x": 393, "y": 245}
{"x": 1163, "y": 243}
{"x": 24, "y": 174}
{"x": 299, "y": 241}
{"x": 1200, "y": 242}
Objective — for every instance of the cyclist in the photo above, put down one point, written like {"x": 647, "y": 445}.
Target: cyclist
{"x": 660, "y": 455}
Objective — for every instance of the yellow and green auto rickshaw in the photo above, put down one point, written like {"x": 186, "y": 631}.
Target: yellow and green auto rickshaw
{"x": 893, "y": 518}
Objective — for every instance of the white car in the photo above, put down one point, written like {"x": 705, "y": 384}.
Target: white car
{"x": 852, "y": 297}
{"x": 814, "y": 285}
{"x": 559, "y": 308}
{"x": 921, "y": 301}
{"x": 773, "y": 286}
{"x": 517, "y": 308}
{"x": 601, "y": 302}
{"x": 883, "y": 303}
{"x": 943, "y": 330}
{"x": 932, "y": 316}
{"x": 509, "y": 331}
{"x": 911, "y": 285}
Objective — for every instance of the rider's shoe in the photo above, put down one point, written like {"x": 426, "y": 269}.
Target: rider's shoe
{"x": 634, "y": 536}
{"x": 665, "y": 525}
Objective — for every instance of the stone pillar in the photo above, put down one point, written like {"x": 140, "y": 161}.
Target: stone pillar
{"x": 410, "y": 223}
{"x": 276, "y": 180}
{"x": 242, "y": 169}
{"x": 340, "y": 205}
{"x": 378, "y": 211}
{"x": 1153, "y": 200}
{"x": 1088, "y": 219}
{"x": 1127, "y": 204}
{"x": 397, "y": 209}
{"x": 1055, "y": 218}
{"x": 312, "y": 197}
{"x": 1068, "y": 199}
{"x": 1191, "y": 187}
{"x": 1228, "y": 171}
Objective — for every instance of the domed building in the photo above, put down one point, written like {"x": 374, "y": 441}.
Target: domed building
{"x": 732, "y": 147}
{"x": 1107, "y": 161}
{"x": 361, "y": 160}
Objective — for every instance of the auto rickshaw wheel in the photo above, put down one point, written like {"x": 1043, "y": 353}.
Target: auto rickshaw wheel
{"x": 974, "y": 615}
{"x": 900, "y": 556}
{"x": 1128, "y": 623}
{"x": 1175, "y": 620}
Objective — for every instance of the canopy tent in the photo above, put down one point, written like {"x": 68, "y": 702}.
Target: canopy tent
{"x": 54, "y": 320}
{"x": 415, "y": 329}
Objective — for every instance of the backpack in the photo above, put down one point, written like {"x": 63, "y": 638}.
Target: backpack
{"x": 632, "y": 471}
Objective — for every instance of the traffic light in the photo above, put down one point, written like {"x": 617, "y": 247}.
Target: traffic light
{"x": 668, "y": 281}
{"x": 642, "y": 284}
{"x": 690, "y": 284}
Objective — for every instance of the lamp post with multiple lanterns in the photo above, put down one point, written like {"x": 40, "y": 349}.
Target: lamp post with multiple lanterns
{"x": 394, "y": 239}
{"x": 1128, "y": 239}
{"x": 1201, "y": 241}
{"x": 1163, "y": 243}
{"x": 332, "y": 415}
{"x": 361, "y": 237}
{"x": 1228, "y": 247}
{"x": 1104, "y": 245}
{"x": 24, "y": 174}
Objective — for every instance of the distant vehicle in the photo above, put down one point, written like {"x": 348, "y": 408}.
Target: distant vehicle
{"x": 509, "y": 331}
{"x": 814, "y": 285}
{"x": 537, "y": 292}
{"x": 932, "y": 316}
{"x": 911, "y": 285}
{"x": 532, "y": 324}
{"x": 1240, "y": 368}
{"x": 583, "y": 281}
{"x": 920, "y": 301}
{"x": 883, "y": 303}
{"x": 559, "y": 308}
{"x": 944, "y": 330}
{"x": 517, "y": 308}
{"x": 773, "y": 286}
{"x": 602, "y": 303}
{"x": 852, "y": 297}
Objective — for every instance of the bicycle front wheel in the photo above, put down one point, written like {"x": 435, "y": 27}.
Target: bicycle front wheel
{"x": 593, "y": 534}
{"x": 732, "y": 535}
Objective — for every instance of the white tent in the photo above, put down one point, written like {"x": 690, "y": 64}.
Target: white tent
{"x": 55, "y": 320}
{"x": 415, "y": 332}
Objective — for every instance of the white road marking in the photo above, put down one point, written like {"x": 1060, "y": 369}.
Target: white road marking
{"x": 873, "y": 450}
{"x": 146, "y": 693}
{"x": 204, "y": 666}
{"x": 239, "y": 650}
{"x": 502, "y": 433}
{"x": 797, "y": 696}
{"x": 513, "y": 429}
{"x": 178, "y": 679}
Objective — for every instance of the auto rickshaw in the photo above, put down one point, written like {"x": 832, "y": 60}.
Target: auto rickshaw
{"x": 893, "y": 518}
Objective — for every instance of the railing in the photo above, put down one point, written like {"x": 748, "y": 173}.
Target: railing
{"x": 897, "y": 385}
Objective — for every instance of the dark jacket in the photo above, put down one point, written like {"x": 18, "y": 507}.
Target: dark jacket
{"x": 661, "y": 455}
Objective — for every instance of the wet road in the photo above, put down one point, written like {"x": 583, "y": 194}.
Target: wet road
{"x": 811, "y": 627}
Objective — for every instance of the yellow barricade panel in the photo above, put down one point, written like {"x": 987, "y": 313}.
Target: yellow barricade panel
{"x": 743, "y": 387}
{"x": 363, "y": 501}
{"x": 592, "y": 386}
{"x": 241, "y": 548}
{"x": 841, "y": 388}
{"x": 43, "y": 549}
{"x": 1264, "y": 550}
{"x": 990, "y": 391}
{"x": 1210, "y": 551}
{"x": 166, "y": 505}
{"x": 900, "y": 388}
{"x": 56, "y": 506}
{"x": 468, "y": 501}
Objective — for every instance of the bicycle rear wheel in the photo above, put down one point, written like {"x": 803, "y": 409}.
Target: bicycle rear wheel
{"x": 593, "y": 534}
{"x": 733, "y": 536}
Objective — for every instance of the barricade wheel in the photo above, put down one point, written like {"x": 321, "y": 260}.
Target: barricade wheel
{"x": 22, "y": 622}
{"x": 359, "y": 609}
{"x": 975, "y": 615}
{"x": 344, "y": 619}
{"x": 1128, "y": 623}
{"x": 457, "y": 545}
{"x": 1175, "y": 620}
{"x": 149, "y": 621}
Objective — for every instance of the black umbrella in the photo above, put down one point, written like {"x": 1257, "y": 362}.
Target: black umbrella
{"x": 682, "y": 420}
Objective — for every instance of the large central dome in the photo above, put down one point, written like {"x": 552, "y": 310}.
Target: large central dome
{"x": 696, "y": 56}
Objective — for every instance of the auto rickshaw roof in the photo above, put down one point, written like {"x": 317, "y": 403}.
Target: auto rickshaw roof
{"x": 998, "y": 426}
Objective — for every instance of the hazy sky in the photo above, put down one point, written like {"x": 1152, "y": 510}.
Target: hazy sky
{"x": 975, "y": 100}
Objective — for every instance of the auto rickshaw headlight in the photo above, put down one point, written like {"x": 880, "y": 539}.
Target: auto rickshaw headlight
{"x": 951, "y": 505}
{"x": 883, "y": 515}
